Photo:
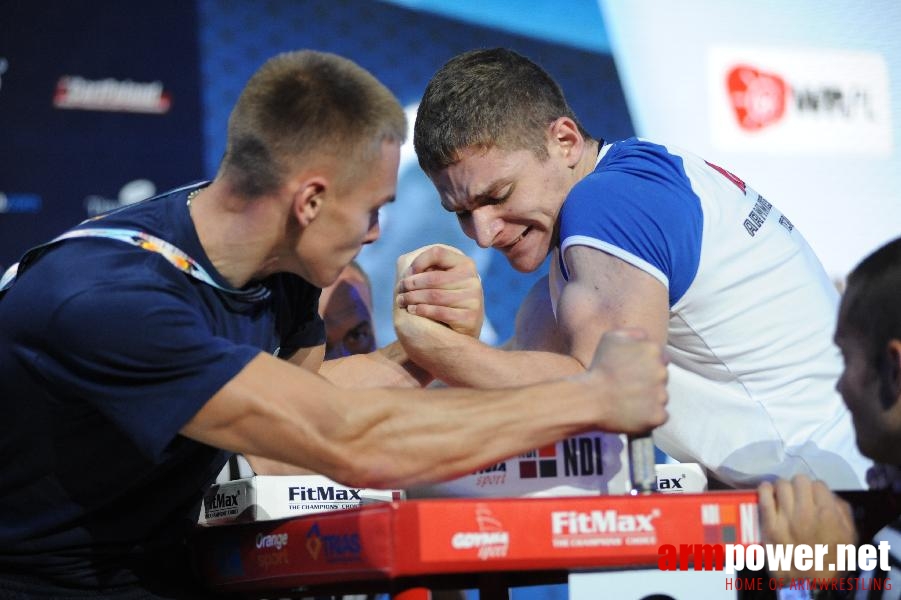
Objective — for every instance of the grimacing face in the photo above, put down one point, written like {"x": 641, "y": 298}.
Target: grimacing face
{"x": 507, "y": 200}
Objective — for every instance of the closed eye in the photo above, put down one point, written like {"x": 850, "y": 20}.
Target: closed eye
{"x": 494, "y": 200}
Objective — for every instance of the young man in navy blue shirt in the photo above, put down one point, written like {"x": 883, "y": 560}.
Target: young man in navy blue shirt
{"x": 143, "y": 348}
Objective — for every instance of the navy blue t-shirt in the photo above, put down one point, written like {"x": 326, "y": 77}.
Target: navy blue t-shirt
{"x": 106, "y": 351}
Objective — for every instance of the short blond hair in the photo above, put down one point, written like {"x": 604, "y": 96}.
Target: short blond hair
{"x": 302, "y": 105}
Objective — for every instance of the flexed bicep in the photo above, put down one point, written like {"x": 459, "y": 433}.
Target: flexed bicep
{"x": 535, "y": 327}
{"x": 604, "y": 292}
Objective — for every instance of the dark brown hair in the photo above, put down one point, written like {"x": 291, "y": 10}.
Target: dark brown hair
{"x": 487, "y": 98}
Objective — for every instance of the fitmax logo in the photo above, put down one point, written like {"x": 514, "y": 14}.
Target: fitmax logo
{"x": 670, "y": 483}
{"x": 223, "y": 500}
{"x": 608, "y": 521}
{"x": 322, "y": 493}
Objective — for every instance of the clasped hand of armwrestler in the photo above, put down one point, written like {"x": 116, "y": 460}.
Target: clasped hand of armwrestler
{"x": 633, "y": 372}
{"x": 439, "y": 296}
{"x": 441, "y": 285}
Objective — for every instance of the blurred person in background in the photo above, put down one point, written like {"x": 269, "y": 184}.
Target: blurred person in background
{"x": 346, "y": 308}
{"x": 802, "y": 511}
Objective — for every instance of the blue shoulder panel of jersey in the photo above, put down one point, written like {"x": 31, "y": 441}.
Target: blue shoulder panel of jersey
{"x": 639, "y": 205}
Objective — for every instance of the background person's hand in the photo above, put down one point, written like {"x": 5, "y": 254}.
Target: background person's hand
{"x": 801, "y": 511}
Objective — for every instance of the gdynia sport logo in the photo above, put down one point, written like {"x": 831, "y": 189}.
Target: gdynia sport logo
{"x": 772, "y": 558}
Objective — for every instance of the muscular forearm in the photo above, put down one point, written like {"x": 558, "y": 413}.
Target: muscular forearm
{"x": 385, "y": 438}
{"x": 386, "y": 367}
{"x": 265, "y": 466}
{"x": 427, "y": 443}
{"x": 465, "y": 361}
{"x": 389, "y": 438}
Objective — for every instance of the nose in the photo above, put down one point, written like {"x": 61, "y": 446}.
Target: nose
{"x": 485, "y": 226}
{"x": 841, "y": 385}
{"x": 373, "y": 234}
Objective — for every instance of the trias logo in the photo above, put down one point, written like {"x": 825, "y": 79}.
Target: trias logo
{"x": 337, "y": 547}
{"x": 490, "y": 541}
{"x": 603, "y": 528}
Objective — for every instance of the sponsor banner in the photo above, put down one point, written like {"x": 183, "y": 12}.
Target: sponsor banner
{"x": 420, "y": 537}
{"x": 799, "y": 101}
{"x": 88, "y": 127}
{"x": 681, "y": 478}
{"x": 330, "y": 547}
{"x": 587, "y": 465}
{"x": 20, "y": 203}
{"x": 613, "y": 530}
{"x": 269, "y": 497}
{"x": 111, "y": 95}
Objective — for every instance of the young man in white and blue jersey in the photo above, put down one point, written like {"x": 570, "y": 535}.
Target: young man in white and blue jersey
{"x": 641, "y": 235}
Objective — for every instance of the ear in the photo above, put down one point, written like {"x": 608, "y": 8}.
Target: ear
{"x": 307, "y": 200}
{"x": 565, "y": 138}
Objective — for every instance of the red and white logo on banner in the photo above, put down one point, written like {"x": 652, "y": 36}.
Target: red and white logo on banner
{"x": 758, "y": 98}
{"x": 799, "y": 101}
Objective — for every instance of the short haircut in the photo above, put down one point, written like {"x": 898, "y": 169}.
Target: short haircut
{"x": 303, "y": 105}
{"x": 484, "y": 99}
{"x": 870, "y": 303}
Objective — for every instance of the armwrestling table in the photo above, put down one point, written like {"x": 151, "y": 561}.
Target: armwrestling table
{"x": 410, "y": 547}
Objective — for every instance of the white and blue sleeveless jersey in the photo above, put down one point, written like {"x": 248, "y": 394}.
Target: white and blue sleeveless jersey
{"x": 752, "y": 313}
